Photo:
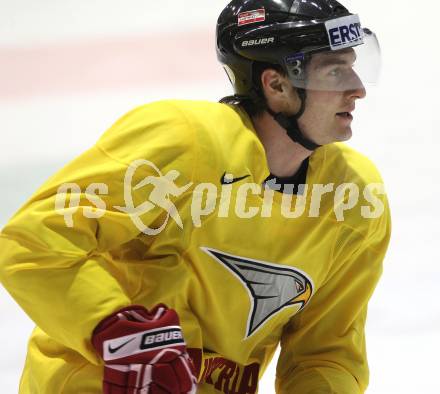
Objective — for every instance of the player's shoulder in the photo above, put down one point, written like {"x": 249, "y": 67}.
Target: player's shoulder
{"x": 167, "y": 124}
{"x": 201, "y": 131}
{"x": 191, "y": 110}
{"x": 344, "y": 164}
{"x": 154, "y": 114}
{"x": 178, "y": 117}
{"x": 352, "y": 171}
{"x": 217, "y": 119}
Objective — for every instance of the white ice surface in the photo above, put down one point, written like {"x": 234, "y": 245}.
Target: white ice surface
{"x": 396, "y": 126}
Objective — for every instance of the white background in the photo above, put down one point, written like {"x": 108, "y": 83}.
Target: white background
{"x": 69, "y": 69}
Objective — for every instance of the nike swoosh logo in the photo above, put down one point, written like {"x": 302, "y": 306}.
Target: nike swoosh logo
{"x": 114, "y": 350}
{"x": 228, "y": 181}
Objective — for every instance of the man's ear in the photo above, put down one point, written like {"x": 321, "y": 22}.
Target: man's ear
{"x": 271, "y": 82}
{"x": 279, "y": 92}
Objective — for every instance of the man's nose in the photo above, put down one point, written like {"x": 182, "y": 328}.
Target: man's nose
{"x": 357, "y": 88}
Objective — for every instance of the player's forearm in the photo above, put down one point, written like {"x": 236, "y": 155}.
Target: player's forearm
{"x": 65, "y": 296}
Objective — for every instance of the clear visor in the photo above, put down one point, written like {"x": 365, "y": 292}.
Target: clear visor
{"x": 345, "y": 69}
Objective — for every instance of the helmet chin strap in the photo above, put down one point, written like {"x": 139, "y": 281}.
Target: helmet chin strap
{"x": 290, "y": 123}
{"x": 287, "y": 122}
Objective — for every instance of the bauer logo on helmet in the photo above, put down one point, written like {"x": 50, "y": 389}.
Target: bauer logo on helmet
{"x": 258, "y": 42}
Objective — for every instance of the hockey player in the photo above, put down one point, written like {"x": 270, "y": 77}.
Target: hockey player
{"x": 193, "y": 290}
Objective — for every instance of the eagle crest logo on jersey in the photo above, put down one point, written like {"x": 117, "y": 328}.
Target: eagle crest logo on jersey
{"x": 271, "y": 287}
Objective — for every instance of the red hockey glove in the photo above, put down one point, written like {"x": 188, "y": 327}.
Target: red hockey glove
{"x": 144, "y": 352}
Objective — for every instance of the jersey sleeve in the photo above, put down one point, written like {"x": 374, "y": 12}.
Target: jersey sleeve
{"x": 323, "y": 347}
{"x": 60, "y": 271}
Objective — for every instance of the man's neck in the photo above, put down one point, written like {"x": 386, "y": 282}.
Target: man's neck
{"x": 284, "y": 157}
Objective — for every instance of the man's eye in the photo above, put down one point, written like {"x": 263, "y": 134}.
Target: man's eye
{"x": 337, "y": 72}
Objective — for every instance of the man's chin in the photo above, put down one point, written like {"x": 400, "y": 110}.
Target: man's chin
{"x": 344, "y": 135}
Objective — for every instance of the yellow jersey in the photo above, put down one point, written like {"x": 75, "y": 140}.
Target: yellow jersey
{"x": 174, "y": 204}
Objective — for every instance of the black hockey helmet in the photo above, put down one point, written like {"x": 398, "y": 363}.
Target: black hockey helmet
{"x": 287, "y": 33}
